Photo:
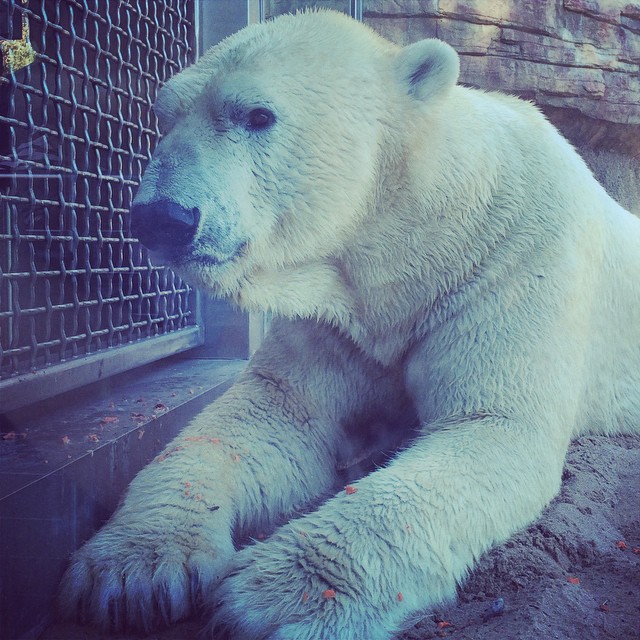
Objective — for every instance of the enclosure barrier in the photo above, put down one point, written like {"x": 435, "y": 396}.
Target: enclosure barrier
{"x": 76, "y": 130}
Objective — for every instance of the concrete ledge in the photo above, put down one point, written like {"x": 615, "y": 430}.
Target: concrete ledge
{"x": 65, "y": 463}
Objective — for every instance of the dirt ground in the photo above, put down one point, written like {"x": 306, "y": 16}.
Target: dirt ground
{"x": 572, "y": 575}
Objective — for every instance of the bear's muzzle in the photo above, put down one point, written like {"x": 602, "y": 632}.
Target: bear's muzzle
{"x": 164, "y": 226}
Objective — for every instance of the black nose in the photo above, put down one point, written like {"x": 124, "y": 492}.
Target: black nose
{"x": 164, "y": 225}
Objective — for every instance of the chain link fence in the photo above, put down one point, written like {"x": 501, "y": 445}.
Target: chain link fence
{"x": 76, "y": 131}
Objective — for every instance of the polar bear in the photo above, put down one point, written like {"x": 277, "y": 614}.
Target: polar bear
{"x": 449, "y": 281}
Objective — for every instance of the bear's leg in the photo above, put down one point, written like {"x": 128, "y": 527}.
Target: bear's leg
{"x": 369, "y": 559}
{"x": 267, "y": 447}
{"x": 171, "y": 538}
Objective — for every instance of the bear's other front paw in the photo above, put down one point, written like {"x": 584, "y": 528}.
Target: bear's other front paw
{"x": 304, "y": 586}
{"x": 143, "y": 574}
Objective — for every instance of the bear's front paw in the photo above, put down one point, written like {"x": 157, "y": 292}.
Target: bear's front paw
{"x": 143, "y": 574}
{"x": 302, "y": 586}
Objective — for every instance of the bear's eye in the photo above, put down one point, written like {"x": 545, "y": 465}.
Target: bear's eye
{"x": 260, "y": 118}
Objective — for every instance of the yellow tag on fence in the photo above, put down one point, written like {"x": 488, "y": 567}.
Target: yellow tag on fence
{"x": 17, "y": 54}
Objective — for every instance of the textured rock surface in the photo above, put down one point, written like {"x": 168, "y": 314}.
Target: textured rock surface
{"x": 577, "y": 59}
{"x": 580, "y": 54}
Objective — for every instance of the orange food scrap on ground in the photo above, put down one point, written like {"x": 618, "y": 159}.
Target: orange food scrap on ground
{"x": 66, "y": 439}
{"x": 604, "y": 607}
{"x": 443, "y": 624}
{"x": 350, "y": 489}
{"x": 109, "y": 420}
{"x": 636, "y": 550}
{"x": 573, "y": 580}
{"x": 622, "y": 545}
{"x": 187, "y": 484}
{"x": 329, "y": 593}
{"x": 399, "y": 597}
{"x": 305, "y": 596}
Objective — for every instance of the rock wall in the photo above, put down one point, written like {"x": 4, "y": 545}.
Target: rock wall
{"x": 579, "y": 60}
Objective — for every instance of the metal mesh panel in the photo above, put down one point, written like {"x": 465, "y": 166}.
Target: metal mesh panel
{"x": 76, "y": 131}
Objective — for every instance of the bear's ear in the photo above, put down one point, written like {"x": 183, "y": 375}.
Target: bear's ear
{"x": 428, "y": 68}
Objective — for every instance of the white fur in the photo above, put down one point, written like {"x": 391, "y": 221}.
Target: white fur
{"x": 443, "y": 263}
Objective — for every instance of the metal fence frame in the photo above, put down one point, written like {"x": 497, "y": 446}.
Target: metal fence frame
{"x": 82, "y": 291}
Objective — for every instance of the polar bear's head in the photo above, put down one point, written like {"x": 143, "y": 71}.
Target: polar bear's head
{"x": 276, "y": 145}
